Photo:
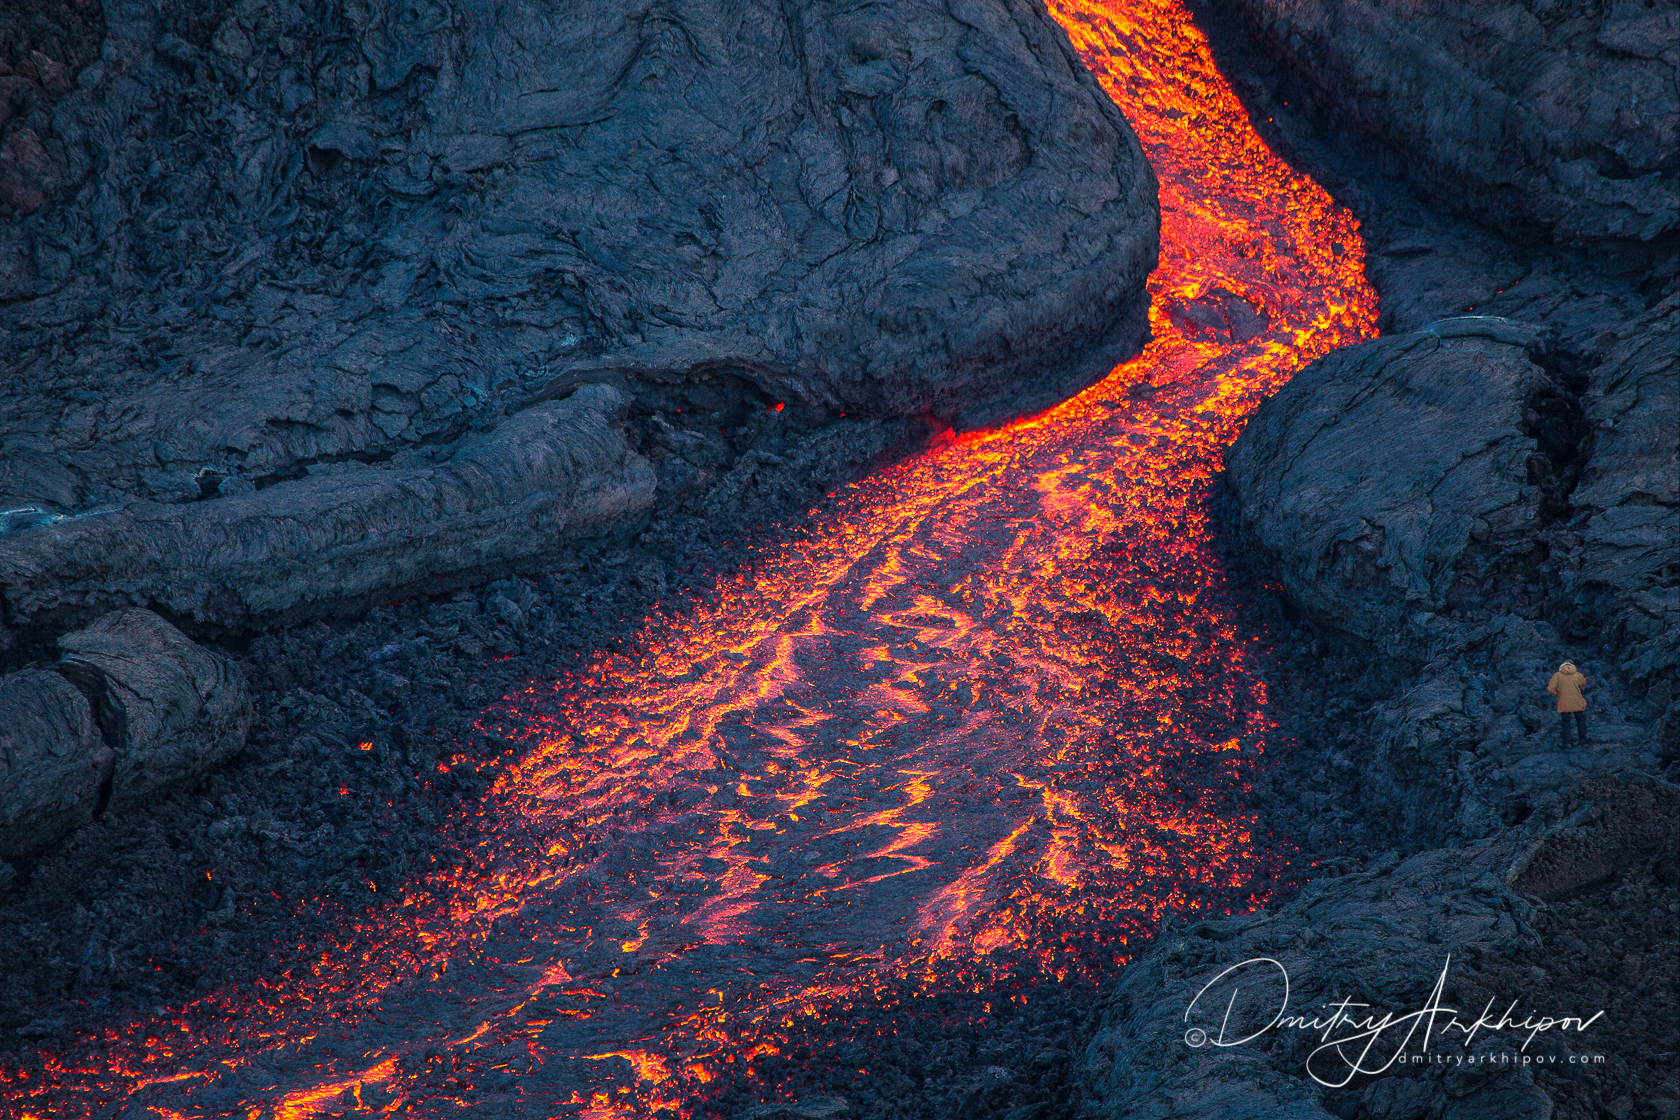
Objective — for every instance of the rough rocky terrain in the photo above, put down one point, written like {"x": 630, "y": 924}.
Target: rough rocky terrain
{"x": 82, "y": 921}
{"x": 1448, "y": 514}
{"x": 1384, "y": 937}
{"x": 245, "y": 245}
{"x": 1435, "y": 250}
{"x": 1519, "y": 516}
{"x": 310, "y": 308}
{"x": 1558, "y": 116}
{"x": 338, "y": 261}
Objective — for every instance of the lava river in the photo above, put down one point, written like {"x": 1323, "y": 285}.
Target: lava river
{"x": 935, "y": 744}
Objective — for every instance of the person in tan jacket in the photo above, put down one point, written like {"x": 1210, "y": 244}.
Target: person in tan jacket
{"x": 1567, "y": 684}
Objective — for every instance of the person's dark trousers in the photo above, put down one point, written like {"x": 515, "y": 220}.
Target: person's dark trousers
{"x": 1580, "y": 725}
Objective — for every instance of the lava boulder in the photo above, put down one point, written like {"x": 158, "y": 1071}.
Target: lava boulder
{"x": 1367, "y": 479}
{"x": 133, "y": 710}
{"x": 173, "y": 709}
{"x": 55, "y": 761}
{"x": 1452, "y": 476}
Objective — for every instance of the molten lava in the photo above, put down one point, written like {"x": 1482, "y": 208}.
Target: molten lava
{"x": 935, "y": 744}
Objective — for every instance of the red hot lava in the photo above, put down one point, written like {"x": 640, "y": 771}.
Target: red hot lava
{"x": 928, "y": 747}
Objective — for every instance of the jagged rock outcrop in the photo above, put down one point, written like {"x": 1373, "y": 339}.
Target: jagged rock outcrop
{"x": 247, "y": 248}
{"x": 133, "y": 709}
{"x": 1562, "y": 116}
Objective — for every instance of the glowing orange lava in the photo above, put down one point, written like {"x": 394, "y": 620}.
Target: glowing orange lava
{"x": 935, "y": 744}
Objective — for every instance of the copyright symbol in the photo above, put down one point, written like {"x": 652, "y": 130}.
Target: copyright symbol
{"x": 1195, "y": 1036}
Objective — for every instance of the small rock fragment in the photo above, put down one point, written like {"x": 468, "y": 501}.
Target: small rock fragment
{"x": 52, "y": 73}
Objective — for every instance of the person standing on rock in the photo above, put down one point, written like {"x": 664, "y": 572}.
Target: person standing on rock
{"x": 1567, "y": 685}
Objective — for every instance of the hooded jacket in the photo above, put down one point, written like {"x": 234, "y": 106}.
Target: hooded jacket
{"x": 1567, "y": 688}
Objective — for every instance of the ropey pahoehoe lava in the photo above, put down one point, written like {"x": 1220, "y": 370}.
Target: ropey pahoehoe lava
{"x": 929, "y": 743}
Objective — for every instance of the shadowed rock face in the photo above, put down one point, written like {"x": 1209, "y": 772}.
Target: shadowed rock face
{"x": 1371, "y": 473}
{"x": 1379, "y": 939}
{"x": 1630, "y": 492}
{"x": 1471, "y": 508}
{"x": 175, "y": 710}
{"x": 1561, "y": 115}
{"x": 1627, "y": 821}
{"x": 55, "y": 760}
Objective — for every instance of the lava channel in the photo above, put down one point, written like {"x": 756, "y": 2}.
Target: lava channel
{"x": 936, "y": 746}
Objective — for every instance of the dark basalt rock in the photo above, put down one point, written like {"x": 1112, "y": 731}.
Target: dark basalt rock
{"x": 1495, "y": 926}
{"x": 1418, "y": 713}
{"x": 175, "y": 710}
{"x": 1626, "y": 822}
{"x": 364, "y": 233}
{"x": 1628, "y": 499}
{"x": 1450, "y": 513}
{"x": 133, "y": 710}
{"x": 1470, "y": 511}
{"x": 1372, "y": 473}
{"x": 1559, "y": 116}
{"x": 1420, "y": 483}
{"x": 1379, "y": 937}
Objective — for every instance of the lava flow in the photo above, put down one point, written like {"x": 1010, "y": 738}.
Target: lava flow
{"x": 976, "y": 728}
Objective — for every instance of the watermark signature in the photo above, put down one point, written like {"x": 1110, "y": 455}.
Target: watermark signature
{"x": 1354, "y": 1038}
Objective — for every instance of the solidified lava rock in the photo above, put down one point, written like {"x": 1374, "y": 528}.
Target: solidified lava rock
{"x": 1629, "y": 492}
{"x": 1468, "y": 508}
{"x": 1378, "y": 939}
{"x": 1448, "y": 514}
{"x": 176, "y": 710}
{"x": 1456, "y": 475}
{"x": 1377, "y": 467}
{"x": 55, "y": 760}
{"x": 132, "y": 710}
{"x": 555, "y": 470}
{"x": 1627, "y": 822}
{"x": 1510, "y": 924}
{"x": 1559, "y": 115}
{"x": 254, "y": 243}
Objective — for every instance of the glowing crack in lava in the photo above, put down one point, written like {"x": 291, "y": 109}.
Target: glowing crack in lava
{"x": 933, "y": 745}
